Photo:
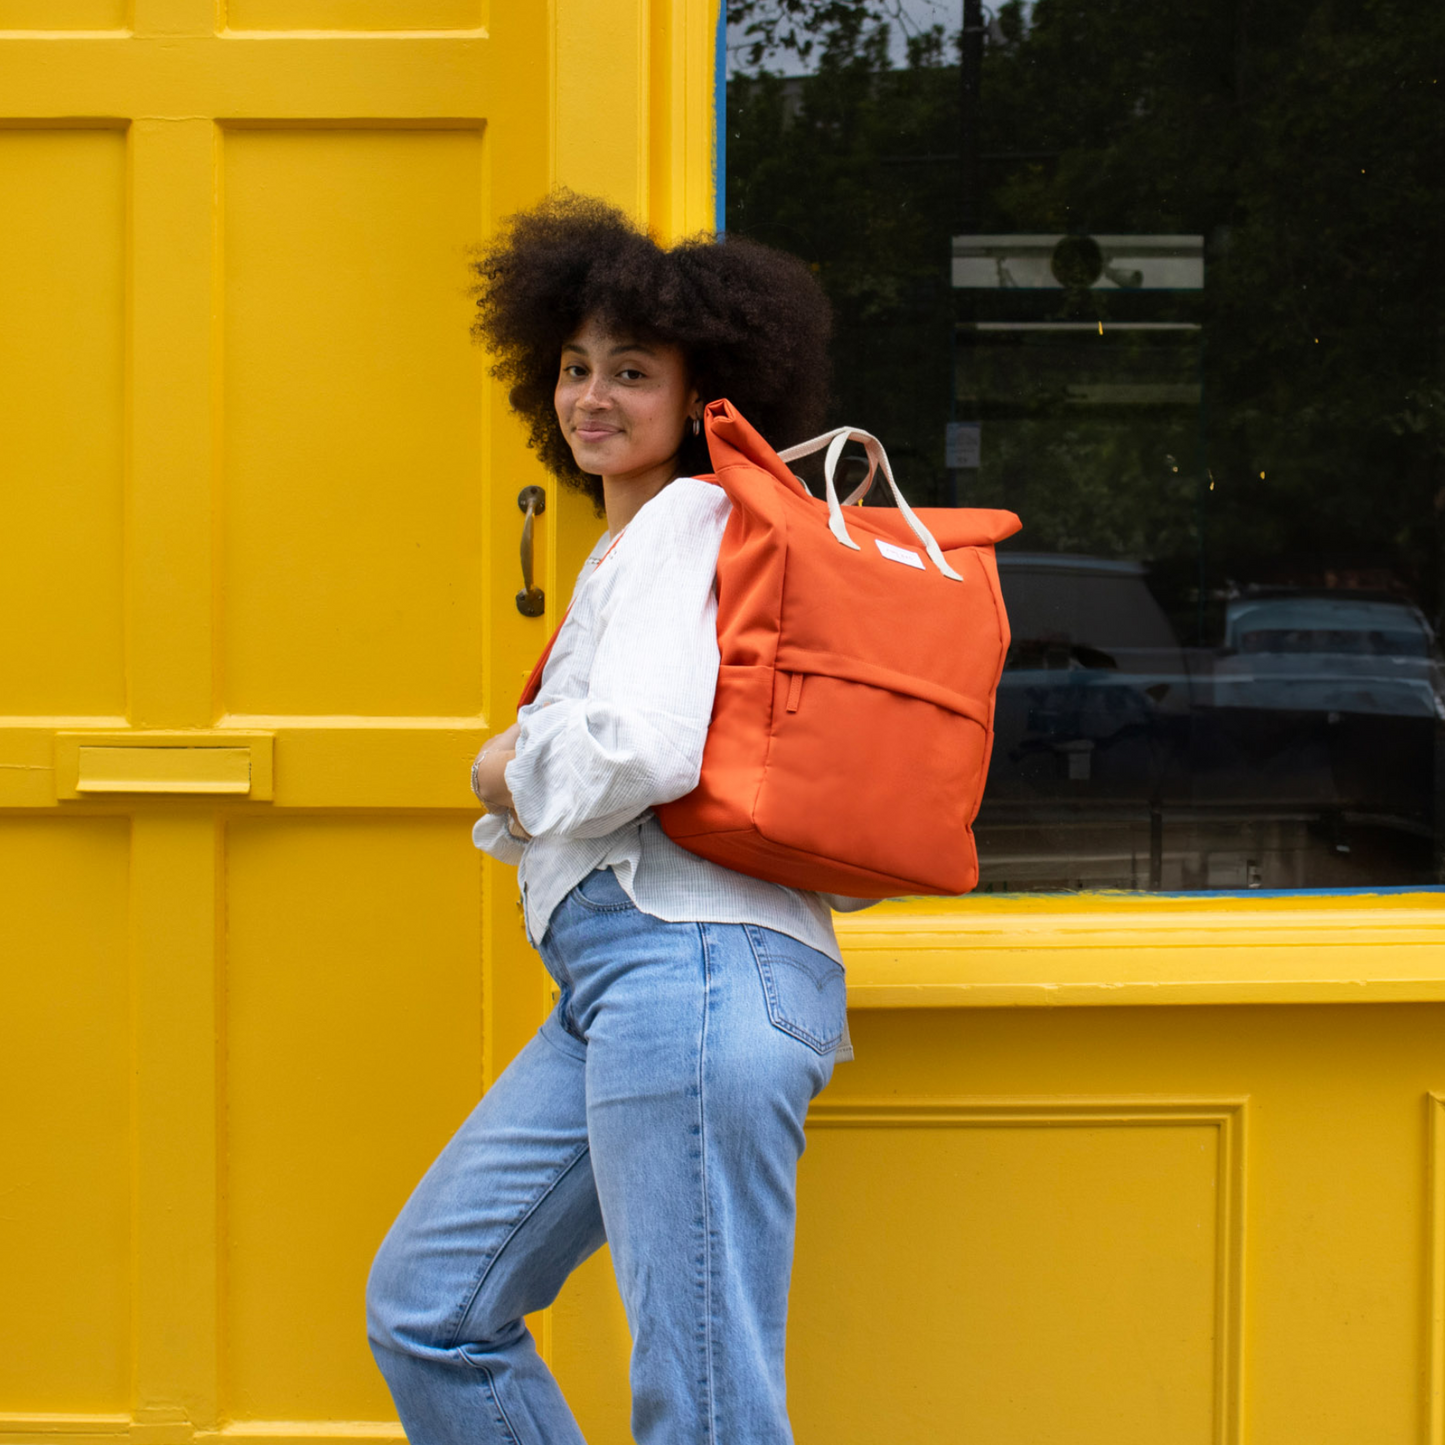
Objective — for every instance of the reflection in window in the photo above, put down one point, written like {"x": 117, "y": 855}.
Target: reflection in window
{"x": 1168, "y": 281}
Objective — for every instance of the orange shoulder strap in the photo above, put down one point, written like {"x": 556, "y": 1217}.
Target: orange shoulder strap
{"x": 533, "y": 684}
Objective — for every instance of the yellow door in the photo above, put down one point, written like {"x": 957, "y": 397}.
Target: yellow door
{"x": 258, "y": 556}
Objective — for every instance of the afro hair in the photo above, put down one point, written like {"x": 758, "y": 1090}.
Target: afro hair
{"x": 751, "y": 321}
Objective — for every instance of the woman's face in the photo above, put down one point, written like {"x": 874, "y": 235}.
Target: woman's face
{"x": 622, "y": 403}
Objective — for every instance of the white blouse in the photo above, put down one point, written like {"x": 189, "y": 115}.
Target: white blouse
{"x": 619, "y": 726}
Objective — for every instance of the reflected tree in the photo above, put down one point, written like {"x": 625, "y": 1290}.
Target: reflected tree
{"x": 1302, "y": 138}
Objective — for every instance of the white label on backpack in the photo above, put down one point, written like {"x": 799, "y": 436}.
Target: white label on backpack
{"x": 899, "y": 554}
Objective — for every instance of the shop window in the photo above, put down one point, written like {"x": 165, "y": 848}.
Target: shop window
{"x": 1169, "y": 282}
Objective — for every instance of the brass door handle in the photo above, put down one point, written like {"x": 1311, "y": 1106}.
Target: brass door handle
{"x": 531, "y": 601}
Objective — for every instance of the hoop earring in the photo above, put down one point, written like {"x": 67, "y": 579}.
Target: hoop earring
{"x": 697, "y": 426}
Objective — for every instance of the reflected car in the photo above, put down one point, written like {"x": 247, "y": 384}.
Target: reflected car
{"x": 1302, "y": 652}
{"x": 1333, "y": 701}
{"x": 1310, "y": 744}
{"x": 1094, "y": 676}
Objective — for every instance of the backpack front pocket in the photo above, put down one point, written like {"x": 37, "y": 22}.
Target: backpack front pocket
{"x": 874, "y": 779}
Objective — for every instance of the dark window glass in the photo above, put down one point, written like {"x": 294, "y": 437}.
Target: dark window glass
{"x": 1169, "y": 282}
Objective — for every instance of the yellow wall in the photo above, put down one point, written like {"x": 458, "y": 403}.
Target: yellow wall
{"x": 1107, "y": 1170}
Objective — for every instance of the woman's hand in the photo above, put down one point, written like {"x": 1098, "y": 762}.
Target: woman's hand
{"x": 489, "y": 777}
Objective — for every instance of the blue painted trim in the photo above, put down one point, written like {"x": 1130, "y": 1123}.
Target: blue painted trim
{"x": 720, "y": 120}
{"x": 1305, "y": 892}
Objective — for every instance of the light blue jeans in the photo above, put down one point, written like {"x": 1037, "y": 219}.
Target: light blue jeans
{"x": 660, "y": 1108}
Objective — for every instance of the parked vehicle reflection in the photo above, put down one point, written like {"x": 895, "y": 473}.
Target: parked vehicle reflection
{"x": 1328, "y": 653}
{"x": 1303, "y": 752}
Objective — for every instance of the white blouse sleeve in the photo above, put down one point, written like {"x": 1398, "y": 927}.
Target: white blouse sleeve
{"x": 491, "y": 834}
{"x": 584, "y": 766}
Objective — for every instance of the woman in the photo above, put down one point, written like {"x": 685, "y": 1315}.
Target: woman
{"x": 660, "y": 1108}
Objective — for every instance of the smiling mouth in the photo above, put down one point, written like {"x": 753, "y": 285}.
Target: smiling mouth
{"x": 595, "y": 433}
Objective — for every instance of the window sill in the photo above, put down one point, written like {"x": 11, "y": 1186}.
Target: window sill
{"x": 1123, "y": 949}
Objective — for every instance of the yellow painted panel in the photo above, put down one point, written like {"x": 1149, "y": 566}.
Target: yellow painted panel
{"x": 62, "y": 296}
{"x": 1335, "y": 1274}
{"x": 602, "y": 71}
{"x": 171, "y": 584}
{"x": 1056, "y": 1281}
{"x": 352, "y": 506}
{"x": 65, "y": 1067}
{"x": 62, "y": 14}
{"x": 353, "y": 1025}
{"x": 182, "y": 69}
{"x": 590, "y": 1350}
{"x": 424, "y": 765}
{"x": 369, "y": 15}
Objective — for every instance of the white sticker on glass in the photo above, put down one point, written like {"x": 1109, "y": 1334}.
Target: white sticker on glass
{"x": 899, "y": 554}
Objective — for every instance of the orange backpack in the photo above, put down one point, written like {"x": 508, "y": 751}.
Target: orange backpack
{"x": 853, "y": 718}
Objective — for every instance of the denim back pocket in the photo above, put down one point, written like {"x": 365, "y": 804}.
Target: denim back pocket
{"x": 805, "y": 991}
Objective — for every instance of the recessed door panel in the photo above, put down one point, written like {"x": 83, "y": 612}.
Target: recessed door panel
{"x": 1058, "y": 1282}
{"x": 62, "y": 297}
{"x": 353, "y": 1024}
{"x": 352, "y": 430}
{"x": 65, "y": 1123}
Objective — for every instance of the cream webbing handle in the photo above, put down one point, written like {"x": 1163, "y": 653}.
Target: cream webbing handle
{"x": 835, "y": 441}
